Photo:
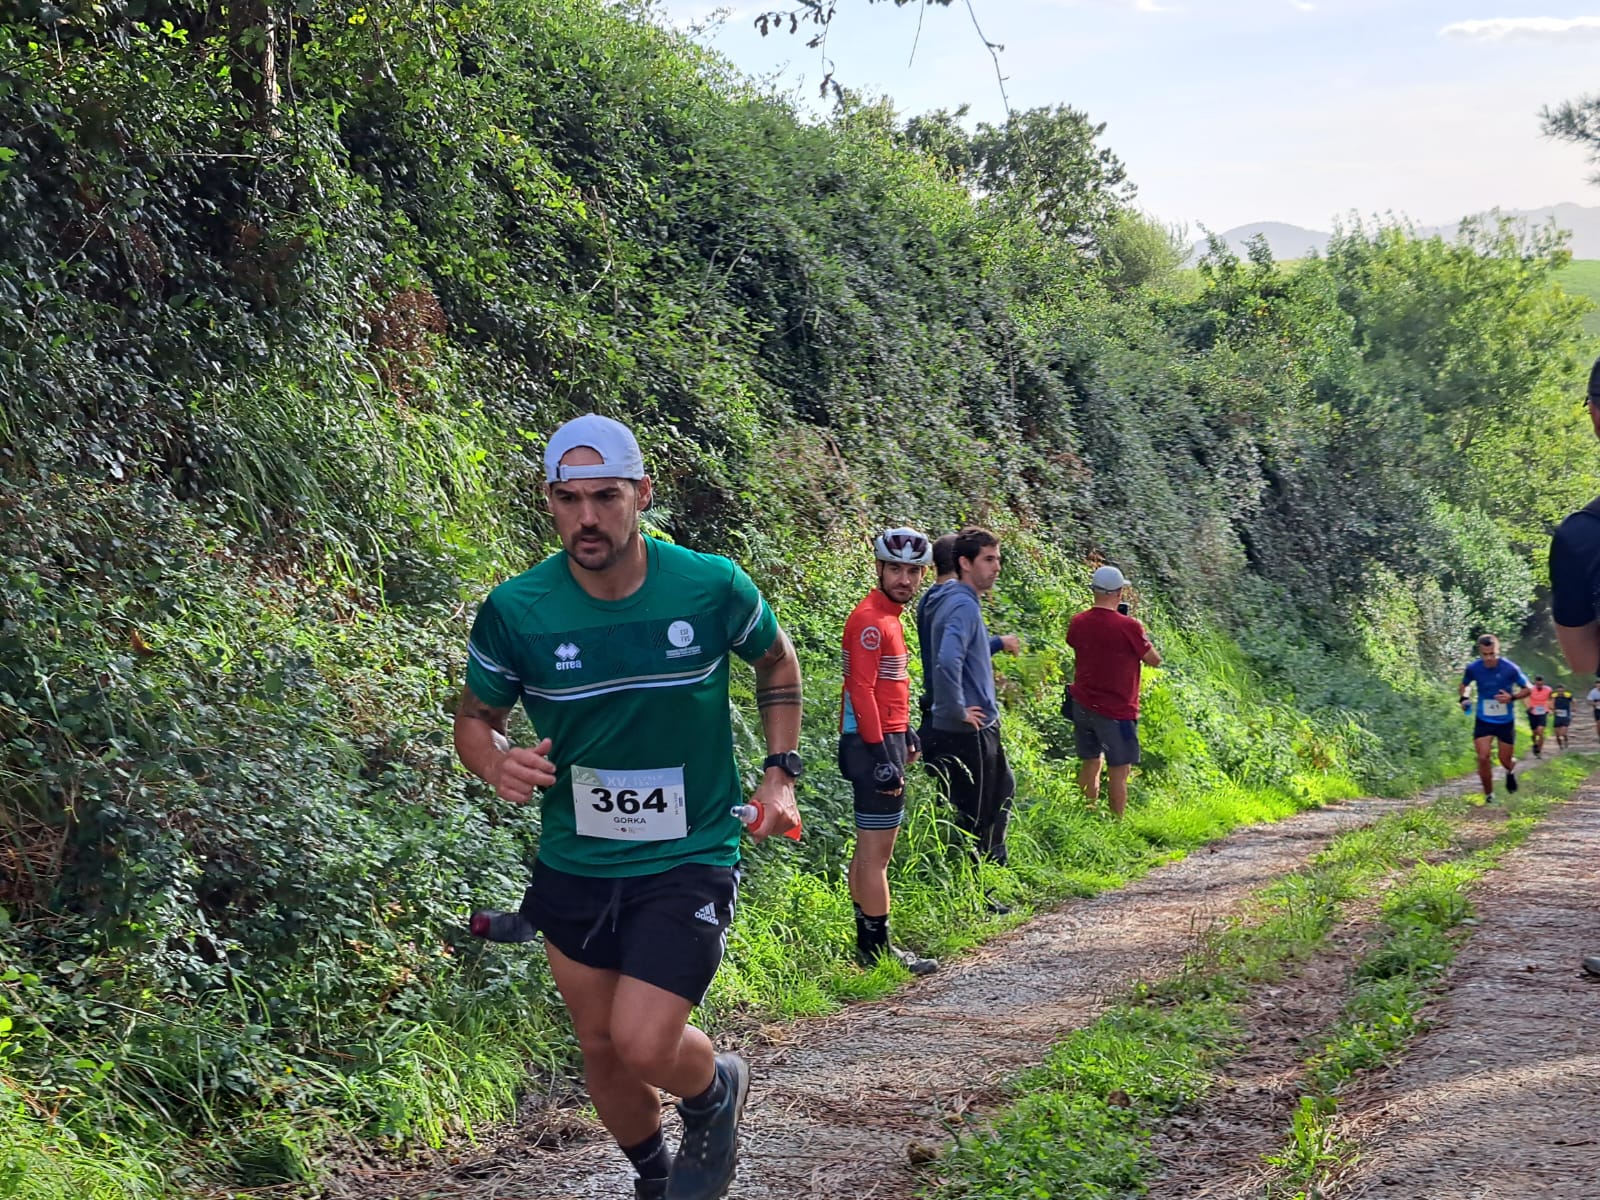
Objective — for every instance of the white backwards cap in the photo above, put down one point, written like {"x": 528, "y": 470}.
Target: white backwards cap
{"x": 611, "y": 440}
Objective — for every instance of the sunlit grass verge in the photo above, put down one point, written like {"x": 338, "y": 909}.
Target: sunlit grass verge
{"x": 790, "y": 950}
{"x": 52, "y": 1163}
{"x": 1423, "y": 923}
{"x": 1079, "y": 1125}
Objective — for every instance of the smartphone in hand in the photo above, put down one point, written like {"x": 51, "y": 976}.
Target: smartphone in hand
{"x": 1123, "y": 608}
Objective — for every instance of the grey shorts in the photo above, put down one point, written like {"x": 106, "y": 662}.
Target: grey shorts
{"x": 1116, "y": 741}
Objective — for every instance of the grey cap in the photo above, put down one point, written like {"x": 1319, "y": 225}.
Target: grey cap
{"x": 1108, "y": 579}
{"x": 611, "y": 440}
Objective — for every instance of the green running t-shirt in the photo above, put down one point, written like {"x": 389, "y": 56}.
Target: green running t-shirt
{"x": 633, "y": 695}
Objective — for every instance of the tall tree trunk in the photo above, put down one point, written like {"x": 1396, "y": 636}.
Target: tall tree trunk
{"x": 253, "y": 30}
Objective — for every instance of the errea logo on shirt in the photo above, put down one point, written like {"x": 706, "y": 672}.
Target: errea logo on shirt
{"x": 567, "y": 657}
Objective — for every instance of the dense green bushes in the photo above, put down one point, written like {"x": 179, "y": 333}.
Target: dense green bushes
{"x": 272, "y": 388}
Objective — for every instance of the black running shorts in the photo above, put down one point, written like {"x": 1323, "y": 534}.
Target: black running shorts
{"x": 1537, "y": 720}
{"x": 1563, "y": 720}
{"x": 1506, "y": 731}
{"x": 874, "y": 810}
{"x": 668, "y": 929}
{"x": 1097, "y": 736}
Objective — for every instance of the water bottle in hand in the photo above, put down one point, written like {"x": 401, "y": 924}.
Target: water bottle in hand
{"x": 750, "y": 815}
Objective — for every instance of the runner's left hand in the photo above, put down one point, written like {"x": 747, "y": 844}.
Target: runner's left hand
{"x": 779, "y": 812}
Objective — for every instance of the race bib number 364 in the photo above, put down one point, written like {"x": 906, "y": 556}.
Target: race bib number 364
{"x": 629, "y": 806}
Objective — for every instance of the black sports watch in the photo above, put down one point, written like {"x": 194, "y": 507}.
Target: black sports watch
{"x": 789, "y": 762}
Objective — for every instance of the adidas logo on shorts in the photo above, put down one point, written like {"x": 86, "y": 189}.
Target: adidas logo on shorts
{"x": 708, "y": 914}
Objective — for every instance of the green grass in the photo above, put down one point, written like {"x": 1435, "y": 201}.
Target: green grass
{"x": 1423, "y": 923}
{"x": 1582, "y": 278}
{"x": 1079, "y": 1125}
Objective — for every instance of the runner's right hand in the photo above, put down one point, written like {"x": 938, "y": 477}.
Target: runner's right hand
{"x": 520, "y": 770}
{"x": 888, "y": 779}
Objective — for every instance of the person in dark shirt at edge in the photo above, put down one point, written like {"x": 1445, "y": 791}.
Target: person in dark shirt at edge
{"x": 1575, "y": 585}
{"x": 1109, "y": 647}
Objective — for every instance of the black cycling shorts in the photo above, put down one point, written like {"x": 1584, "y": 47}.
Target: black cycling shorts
{"x": 1537, "y": 720}
{"x": 1506, "y": 731}
{"x": 669, "y": 929}
{"x": 1563, "y": 720}
{"x": 874, "y": 810}
{"x": 1100, "y": 736}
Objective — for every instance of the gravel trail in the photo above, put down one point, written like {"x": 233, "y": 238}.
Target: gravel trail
{"x": 838, "y": 1100}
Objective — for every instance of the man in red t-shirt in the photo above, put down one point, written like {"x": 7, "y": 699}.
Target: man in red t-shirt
{"x": 1103, "y": 702}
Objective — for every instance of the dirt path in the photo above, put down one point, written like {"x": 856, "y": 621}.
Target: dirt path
{"x": 836, "y": 1100}
{"x": 1502, "y": 1099}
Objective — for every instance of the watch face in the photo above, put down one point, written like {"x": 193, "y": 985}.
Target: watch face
{"x": 789, "y": 761}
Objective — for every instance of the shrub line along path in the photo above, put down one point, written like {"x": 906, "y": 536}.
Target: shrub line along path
{"x": 836, "y": 1100}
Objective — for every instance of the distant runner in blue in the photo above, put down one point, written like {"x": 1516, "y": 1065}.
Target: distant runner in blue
{"x": 1501, "y": 684}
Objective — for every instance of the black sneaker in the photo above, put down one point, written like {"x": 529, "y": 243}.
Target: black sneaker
{"x": 908, "y": 959}
{"x": 1591, "y": 965}
{"x": 650, "y": 1189}
{"x": 495, "y": 926}
{"x": 1511, "y": 781}
{"x": 998, "y": 908}
{"x": 703, "y": 1167}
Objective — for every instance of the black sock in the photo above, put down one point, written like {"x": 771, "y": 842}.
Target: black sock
{"x": 650, "y": 1158}
{"x": 872, "y": 933}
{"x": 711, "y": 1097}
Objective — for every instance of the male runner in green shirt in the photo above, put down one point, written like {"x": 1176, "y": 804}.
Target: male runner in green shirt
{"x": 618, "y": 647}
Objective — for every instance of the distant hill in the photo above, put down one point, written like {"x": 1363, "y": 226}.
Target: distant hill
{"x": 1293, "y": 241}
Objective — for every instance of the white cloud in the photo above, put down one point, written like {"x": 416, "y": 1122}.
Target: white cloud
{"x": 1506, "y": 29}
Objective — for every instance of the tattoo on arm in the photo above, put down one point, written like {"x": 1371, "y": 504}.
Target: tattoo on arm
{"x": 778, "y": 697}
{"x": 777, "y": 653}
{"x": 474, "y": 709}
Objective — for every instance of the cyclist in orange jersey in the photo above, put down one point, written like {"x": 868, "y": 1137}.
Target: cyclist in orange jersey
{"x": 876, "y": 740}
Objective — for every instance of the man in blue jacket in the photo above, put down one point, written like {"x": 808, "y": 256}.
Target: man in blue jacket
{"x": 962, "y": 747}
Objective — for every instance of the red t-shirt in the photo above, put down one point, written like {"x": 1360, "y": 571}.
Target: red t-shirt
{"x": 1109, "y": 647}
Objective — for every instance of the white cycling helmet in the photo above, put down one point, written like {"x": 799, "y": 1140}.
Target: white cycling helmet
{"x": 903, "y": 545}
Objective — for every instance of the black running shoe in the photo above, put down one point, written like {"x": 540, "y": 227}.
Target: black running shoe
{"x": 495, "y": 926}
{"x": 1511, "y": 781}
{"x": 908, "y": 959}
{"x": 703, "y": 1166}
{"x": 1592, "y": 964}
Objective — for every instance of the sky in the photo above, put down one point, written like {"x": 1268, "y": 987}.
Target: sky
{"x": 1228, "y": 112}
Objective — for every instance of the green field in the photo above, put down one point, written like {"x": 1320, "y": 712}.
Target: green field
{"x": 1582, "y": 278}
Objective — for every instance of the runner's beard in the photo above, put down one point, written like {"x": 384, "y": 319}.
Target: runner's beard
{"x": 598, "y": 557}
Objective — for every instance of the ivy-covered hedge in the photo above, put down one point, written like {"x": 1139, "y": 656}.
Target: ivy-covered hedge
{"x": 280, "y": 337}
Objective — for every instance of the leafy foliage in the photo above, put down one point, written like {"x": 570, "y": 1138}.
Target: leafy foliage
{"x": 288, "y": 299}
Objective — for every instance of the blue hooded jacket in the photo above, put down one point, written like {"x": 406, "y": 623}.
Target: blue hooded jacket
{"x": 958, "y": 645}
